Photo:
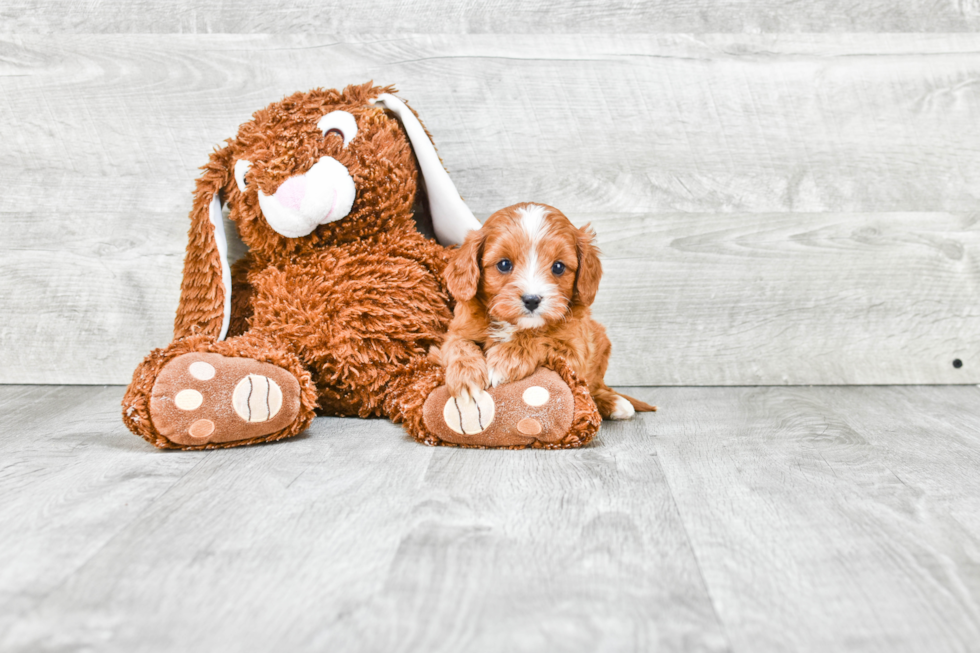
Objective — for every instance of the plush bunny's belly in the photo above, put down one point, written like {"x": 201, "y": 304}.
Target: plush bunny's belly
{"x": 354, "y": 318}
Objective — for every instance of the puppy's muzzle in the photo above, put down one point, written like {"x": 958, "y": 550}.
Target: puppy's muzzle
{"x": 325, "y": 193}
{"x": 531, "y": 302}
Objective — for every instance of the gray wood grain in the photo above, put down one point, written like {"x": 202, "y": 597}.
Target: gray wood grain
{"x": 741, "y": 519}
{"x": 103, "y": 134}
{"x": 714, "y": 123}
{"x": 506, "y": 16}
{"x": 841, "y": 519}
{"x": 71, "y": 478}
{"x": 352, "y": 538}
{"x": 790, "y": 298}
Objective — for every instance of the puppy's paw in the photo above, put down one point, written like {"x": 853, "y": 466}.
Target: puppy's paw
{"x": 496, "y": 376}
{"x": 622, "y": 410}
{"x": 466, "y": 377}
{"x": 507, "y": 365}
{"x": 469, "y": 390}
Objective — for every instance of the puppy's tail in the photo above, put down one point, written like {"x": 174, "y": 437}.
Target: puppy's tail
{"x": 638, "y": 406}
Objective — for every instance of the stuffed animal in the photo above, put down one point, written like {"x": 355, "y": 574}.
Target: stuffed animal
{"x": 340, "y": 297}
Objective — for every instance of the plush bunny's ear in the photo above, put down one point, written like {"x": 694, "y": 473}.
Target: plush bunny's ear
{"x": 205, "y": 292}
{"x": 451, "y": 218}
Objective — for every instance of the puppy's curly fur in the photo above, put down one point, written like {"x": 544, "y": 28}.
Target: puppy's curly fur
{"x": 524, "y": 284}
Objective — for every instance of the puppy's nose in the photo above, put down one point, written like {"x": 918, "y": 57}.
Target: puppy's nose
{"x": 531, "y": 302}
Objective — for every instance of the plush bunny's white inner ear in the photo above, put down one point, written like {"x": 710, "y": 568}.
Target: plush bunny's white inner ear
{"x": 451, "y": 218}
{"x": 221, "y": 243}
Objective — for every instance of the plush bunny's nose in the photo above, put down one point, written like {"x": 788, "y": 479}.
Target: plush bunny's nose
{"x": 324, "y": 193}
{"x": 292, "y": 191}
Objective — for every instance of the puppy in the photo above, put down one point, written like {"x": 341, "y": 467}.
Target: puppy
{"x": 523, "y": 285}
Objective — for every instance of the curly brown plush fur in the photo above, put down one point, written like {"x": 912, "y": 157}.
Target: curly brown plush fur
{"x": 350, "y": 310}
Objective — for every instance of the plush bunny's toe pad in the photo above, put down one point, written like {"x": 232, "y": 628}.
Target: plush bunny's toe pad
{"x": 536, "y": 411}
{"x": 203, "y": 398}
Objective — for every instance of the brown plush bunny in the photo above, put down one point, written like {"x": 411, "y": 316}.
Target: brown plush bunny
{"x": 340, "y": 297}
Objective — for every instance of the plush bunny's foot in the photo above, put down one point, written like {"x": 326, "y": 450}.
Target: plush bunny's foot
{"x": 535, "y": 412}
{"x": 205, "y": 398}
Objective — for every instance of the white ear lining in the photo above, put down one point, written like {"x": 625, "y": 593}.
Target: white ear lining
{"x": 451, "y": 218}
{"x": 221, "y": 243}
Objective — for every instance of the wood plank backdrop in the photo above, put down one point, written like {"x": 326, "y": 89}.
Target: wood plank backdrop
{"x": 774, "y": 208}
{"x": 488, "y": 16}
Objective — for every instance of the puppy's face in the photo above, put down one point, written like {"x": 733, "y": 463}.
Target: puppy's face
{"x": 528, "y": 266}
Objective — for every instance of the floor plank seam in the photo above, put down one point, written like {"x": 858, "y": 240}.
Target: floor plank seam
{"x": 687, "y": 536}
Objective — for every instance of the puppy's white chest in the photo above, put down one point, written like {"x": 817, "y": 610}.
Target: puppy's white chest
{"x": 502, "y": 331}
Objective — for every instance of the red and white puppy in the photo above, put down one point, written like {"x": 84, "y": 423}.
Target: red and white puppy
{"x": 523, "y": 285}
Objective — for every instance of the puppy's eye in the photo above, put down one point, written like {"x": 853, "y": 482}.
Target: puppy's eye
{"x": 340, "y": 123}
{"x": 505, "y": 266}
{"x": 558, "y": 268}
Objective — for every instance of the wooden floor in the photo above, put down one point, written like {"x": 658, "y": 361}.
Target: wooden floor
{"x": 742, "y": 519}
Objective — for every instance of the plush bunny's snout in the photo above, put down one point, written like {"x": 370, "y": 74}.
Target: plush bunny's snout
{"x": 325, "y": 193}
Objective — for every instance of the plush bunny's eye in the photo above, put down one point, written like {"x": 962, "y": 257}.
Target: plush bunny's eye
{"x": 340, "y": 123}
{"x": 241, "y": 167}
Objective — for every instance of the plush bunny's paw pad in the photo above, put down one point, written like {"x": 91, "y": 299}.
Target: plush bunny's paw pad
{"x": 202, "y": 398}
{"x": 537, "y": 409}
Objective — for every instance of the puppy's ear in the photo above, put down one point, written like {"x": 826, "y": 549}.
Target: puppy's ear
{"x": 589, "y": 268}
{"x": 205, "y": 292}
{"x": 463, "y": 272}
